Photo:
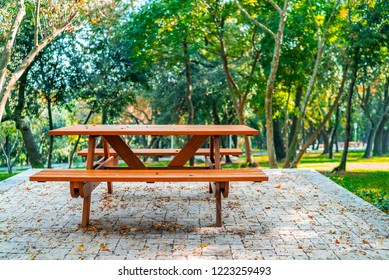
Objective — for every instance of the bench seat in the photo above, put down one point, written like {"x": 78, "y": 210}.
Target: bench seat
{"x": 164, "y": 152}
{"x": 83, "y": 182}
{"x": 170, "y": 175}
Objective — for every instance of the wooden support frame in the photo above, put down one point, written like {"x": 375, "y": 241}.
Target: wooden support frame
{"x": 188, "y": 150}
{"x": 125, "y": 152}
{"x": 104, "y": 170}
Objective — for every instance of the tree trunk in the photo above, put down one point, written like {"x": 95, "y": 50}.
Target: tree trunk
{"x": 234, "y": 90}
{"x": 78, "y": 140}
{"x": 189, "y": 90}
{"x": 7, "y": 155}
{"x": 385, "y": 142}
{"x": 320, "y": 48}
{"x": 270, "y": 90}
{"x": 7, "y": 51}
{"x": 189, "y": 86}
{"x": 326, "y": 141}
{"x": 297, "y": 102}
{"x": 33, "y": 154}
{"x": 326, "y": 118}
{"x": 278, "y": 141}
{"x": 370, "y": 141}
{"x": 155, "y": 145}
{"x": 51, "y": 127}
{"x": 334, "y": 135}
{"x": 342, "y": 165}
{"x": 29, "y": 142}
{"x": 379, "y": 137}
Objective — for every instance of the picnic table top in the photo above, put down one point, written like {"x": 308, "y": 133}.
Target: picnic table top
{"x": 155, "y": 130}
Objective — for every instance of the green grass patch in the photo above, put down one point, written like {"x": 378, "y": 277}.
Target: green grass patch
{"x": 371, "y": 186}
{"x": 368, "y": 178}
{"x": 4, "y": 176}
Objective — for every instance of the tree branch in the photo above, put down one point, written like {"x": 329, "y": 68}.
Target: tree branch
{"x": 5, "y": 57}
{"x": 275, "y": 6}
{"x": 257, "y": 23}
{"x": 36, "y": 31}
{"x": 4, "y": 94}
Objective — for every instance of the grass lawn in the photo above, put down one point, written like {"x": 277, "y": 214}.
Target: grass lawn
{"x": 367, "y": 178}
{"x": 372, "y": 186}
{"x": 5, "y": 175}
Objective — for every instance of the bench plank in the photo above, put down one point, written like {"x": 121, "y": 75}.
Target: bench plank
{"x": 164, "y": 152}
{"x": 82, "y": 182}
{"x": 184, "y": 175}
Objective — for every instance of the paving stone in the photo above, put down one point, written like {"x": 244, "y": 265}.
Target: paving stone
{"x": 307, "y": 217}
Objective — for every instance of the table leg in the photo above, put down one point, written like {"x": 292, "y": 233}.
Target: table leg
{"x": 216, "y": 146}
{"x": 215, "y": 151}
{"x": 86, "y": 211}
{"x": 90, "y": 158}
{"x": 106, "y": 156}
{"x": 218, "y": 199}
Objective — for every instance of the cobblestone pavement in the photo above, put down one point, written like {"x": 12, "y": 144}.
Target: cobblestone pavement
{"x": 297, "y": 214}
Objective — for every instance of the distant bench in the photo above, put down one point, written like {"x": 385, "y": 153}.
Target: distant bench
{"x": 165, "y": 152}
{"x": 83, "y": 182}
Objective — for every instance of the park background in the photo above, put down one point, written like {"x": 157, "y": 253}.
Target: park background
{"x": 311, "y": 76}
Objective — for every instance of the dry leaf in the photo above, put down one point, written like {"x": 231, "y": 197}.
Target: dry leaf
{"x": 202, "y": 246}
{"x": 310, "y": 216}
{"x": 365, "y": 241}
{"x": 104, "y": 248}
{"x": 278, "y": 186}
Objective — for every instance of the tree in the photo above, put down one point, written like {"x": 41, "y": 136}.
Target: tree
{"x": 277, "y": 36}
{"x": 9, "y": 143}
{"x": 238, "y": 49}
{"x": 366, "y": 28}
{"x": 321, "y": 39}
{"x": 56, "y": 19}
{"x": 51, "y": 78}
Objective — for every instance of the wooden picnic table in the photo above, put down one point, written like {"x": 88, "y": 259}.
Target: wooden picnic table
{"x": 83, "y": 182}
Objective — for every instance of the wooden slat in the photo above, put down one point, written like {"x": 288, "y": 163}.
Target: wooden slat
{"x": 91, "y": 152}
{"x": 107, "y": 155}
{"x": 208, "y": 175}
{"x": 165, "y": 152}
{"x": 101, "y": 130}
{"x": 216, "y": 146}
{"x": 158, "y": 168}
{"x": 188, "y": 150}
{"x": 125, "y": 152}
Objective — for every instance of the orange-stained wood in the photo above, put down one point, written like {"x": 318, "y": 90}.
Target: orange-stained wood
{"x": 168, "y": 175}
{"x": 91, "y": 152}
{"x": 188, "y": 150}
{"x": 124, "y": 152}
{"x": 165, "y": 152}
{"x": 107, "y": 155}
{"x": 99, "y": 130}
{"x": 86, "y": 211}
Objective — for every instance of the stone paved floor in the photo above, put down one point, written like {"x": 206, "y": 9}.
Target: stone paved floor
{"x": 297, "y": 214}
